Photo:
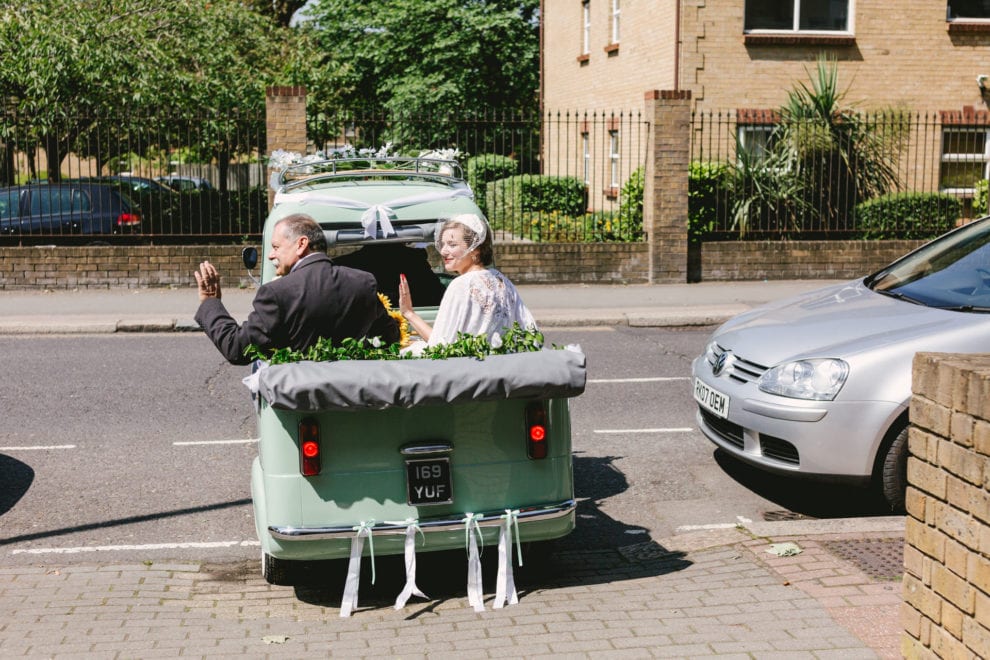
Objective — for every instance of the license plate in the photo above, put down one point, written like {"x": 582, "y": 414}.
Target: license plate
{"x": 428, "y": 481}
{"x": 711, "y": 399}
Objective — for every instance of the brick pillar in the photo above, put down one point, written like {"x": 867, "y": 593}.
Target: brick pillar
{"x": 665, "y": 198}
{"x": 285, "y": 122}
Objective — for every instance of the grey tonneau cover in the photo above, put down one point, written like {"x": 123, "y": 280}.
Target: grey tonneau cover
{"x": 378, "y": 384}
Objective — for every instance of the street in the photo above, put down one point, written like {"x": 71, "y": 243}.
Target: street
{"x": 138, "y": 447}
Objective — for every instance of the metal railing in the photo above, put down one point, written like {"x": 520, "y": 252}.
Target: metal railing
{"x": 560, "y": 176}
{"x": 858, "y": 175}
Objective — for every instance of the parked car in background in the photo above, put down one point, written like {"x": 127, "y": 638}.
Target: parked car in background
{"x": 185, "y": 183}
{"x": 818, "y": 386}
{"x": 138, "y": 185}
{"x": 67, "y": 208}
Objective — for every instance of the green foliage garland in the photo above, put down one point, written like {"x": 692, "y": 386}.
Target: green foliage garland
{"x": 515, "y": 340}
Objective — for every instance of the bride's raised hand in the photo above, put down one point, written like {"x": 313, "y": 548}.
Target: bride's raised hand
{"x": 405, "y": 299}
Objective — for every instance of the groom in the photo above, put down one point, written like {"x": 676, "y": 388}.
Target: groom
{"x": 311, "y": 298}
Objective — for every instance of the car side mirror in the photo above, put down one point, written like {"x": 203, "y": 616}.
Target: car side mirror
{"x": 249, "y": 256}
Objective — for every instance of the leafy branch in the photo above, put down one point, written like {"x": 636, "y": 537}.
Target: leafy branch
{"x": 515, "y": 340}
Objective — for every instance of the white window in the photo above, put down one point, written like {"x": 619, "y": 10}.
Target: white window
{"x": 798, "y": 15}
{"x": 615, "y": 21}
{"x": 613, "y": 158}
{"x": 965, "y": 159}
{"x": 754, "y": 139}
{"x": 586, "y": 27}
{"x": 586, "y": 156}
{"x": 968, "y": 10}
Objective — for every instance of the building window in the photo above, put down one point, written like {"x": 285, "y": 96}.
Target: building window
{"x": 754, "y": 139}
{"x": 968, "y": 10}
{"x": 965, "y": 159}
{"x": 615, "y": 21}
{"x": 755, "y": 132}
{"x": 798, "y": 15}
{"x": 586, "y": 157}
{"x": 586, "y": 27}
{"x": 613, "y": 162}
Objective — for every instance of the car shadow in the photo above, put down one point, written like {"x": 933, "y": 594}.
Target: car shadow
{"x": 16, "y": 478}
{"x": 600, "y": 550}
{"x": 803, "y": 497}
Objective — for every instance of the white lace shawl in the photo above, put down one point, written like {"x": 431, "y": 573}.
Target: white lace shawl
{"x": 480, "y": 302}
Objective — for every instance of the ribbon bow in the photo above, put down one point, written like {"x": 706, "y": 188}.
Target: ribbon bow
{"x": 377, "y": 215}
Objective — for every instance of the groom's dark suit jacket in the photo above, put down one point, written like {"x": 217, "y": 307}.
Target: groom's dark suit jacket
{"x": 317, "y": 299}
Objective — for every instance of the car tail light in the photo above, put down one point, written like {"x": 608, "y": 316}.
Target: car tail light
{"x": 309, "y": 447}
{"x": 537, "y": 436}
{"x": 128, "y": 219}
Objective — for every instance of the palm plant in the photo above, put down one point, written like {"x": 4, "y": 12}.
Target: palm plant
{"x": 822, "y": 159}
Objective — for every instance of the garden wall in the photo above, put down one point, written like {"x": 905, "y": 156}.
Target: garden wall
{"x": 103, "y": 267}
{"x": 946, "y": 587}
{"x": 801, "y": 260}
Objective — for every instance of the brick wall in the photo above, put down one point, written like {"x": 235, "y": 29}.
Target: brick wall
{"x": 803, "y": 260}
{"x": 919, "y": 65}
{"x": 946, "y": 610}
{"x": 102, "y": 267}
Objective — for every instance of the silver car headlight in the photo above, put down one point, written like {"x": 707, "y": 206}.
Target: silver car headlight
{"x": 816, "y": 380}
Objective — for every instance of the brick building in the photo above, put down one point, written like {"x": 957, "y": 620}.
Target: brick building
{"x": 922, "y": 56}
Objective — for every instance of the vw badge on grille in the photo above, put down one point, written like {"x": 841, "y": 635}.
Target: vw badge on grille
{"x": 720, "y": 363}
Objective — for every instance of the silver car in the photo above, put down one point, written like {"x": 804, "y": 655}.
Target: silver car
{"x": 819, "y": 385}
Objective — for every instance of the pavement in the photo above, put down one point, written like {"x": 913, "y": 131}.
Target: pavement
{"x": 798, "y": 588}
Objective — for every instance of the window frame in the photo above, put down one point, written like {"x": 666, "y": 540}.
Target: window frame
{"x": 586, "y": 157}
{"x": 614, "y": 32}
{"x": 585, "y": 27}
{"x": 963, "y": 157}
{"x": 796, "y": 29}
{"x": 614, "y": 160}
{"x": 964, "y": 19}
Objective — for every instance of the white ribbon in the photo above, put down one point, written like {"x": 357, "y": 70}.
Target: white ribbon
{"x": 377, "y": 214}
{"x": 410, "y": 554}
{"x": 472, "y": 532}
{"x": 374, "y": 214}
{"x": 505, "y": 585}
{"x": 350, "y": 599}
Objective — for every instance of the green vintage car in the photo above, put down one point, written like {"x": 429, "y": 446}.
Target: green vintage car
{"x": 449, "y": 448}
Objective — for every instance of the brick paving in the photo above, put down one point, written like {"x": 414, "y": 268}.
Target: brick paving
{"x": 730, "y": 600}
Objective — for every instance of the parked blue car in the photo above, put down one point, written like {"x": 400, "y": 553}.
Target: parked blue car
{"x": 67, "y": 208}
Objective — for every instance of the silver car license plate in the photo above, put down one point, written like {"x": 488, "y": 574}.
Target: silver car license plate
{"x": 711, "y": 399}
{"x": 428, "y": 481}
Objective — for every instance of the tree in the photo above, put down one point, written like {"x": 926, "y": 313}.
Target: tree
{"x": 280, "y": 11}
{"x": 431, "y": 59}
{"x": 64, "y": 63}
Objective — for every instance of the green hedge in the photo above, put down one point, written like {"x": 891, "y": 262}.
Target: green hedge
{"x": 482, "y": 169}
{"x": 523, "y": 193}
{"x": 706, "y": 182}
{"x": 907, "y": 216}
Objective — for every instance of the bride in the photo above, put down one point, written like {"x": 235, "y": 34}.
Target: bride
{"x": 481, "y": 301}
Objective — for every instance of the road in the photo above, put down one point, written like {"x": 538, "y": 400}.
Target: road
{"x": 137, "y": 447}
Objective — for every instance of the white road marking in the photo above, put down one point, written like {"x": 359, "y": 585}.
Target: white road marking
{"x": 245, "y": 441}
{"x": 660, "y": 379}
{"x": 686, "y": 429}
{"x": 146, "y": 546}
{"x": 37, "y": 448}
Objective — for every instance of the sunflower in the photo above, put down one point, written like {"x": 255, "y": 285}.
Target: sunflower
{"x": 399, "y": 318}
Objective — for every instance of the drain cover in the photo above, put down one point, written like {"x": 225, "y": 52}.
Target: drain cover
{"x": 772, "y": 516}
{"x": 882, "y": 559}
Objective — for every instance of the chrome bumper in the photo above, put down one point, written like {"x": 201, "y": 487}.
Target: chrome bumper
{"x": 427, "y": 525}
